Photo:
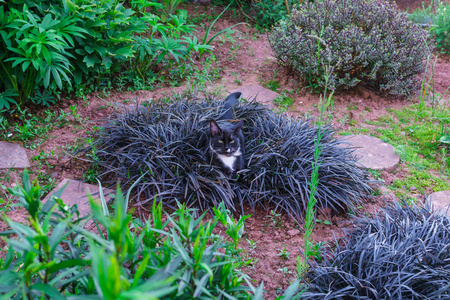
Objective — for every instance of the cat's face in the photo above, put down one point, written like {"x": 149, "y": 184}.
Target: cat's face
{"x": 225, "y": 140}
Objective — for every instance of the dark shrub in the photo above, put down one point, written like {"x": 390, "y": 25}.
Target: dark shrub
{"x": 402, "y": 253}
{"x": 367, "y": 42}
{"x": 165, "y": 145}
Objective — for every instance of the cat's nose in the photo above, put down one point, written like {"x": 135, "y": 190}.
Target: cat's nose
{"x": 227, "y": 150}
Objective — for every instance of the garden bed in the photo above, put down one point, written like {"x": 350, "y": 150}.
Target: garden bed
{"x": 244, "y": 58}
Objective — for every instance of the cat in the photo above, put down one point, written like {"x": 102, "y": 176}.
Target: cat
{"x": 226, "y": 141}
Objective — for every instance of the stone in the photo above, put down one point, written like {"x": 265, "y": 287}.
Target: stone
{"x": 372, "y": 152}
{"x": 440, "y": 201}
{"x": 262, "y": 94}
{"x": 13, "y": 156}
{"x": 293, "y": 232}
{"x": 76, "y": 192}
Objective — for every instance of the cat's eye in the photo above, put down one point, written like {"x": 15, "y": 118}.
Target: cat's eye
{"x": 220, "y": 141}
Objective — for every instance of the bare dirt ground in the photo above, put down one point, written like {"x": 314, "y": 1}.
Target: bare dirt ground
{"x": 246, "y": 59}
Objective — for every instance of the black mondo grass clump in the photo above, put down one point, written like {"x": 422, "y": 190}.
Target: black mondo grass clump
{"x": 163, "y": 147}
{"x": 363, "y": 42}
{"x": 402, "y": 253}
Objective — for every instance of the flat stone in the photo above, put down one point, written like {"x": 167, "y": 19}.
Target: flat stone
{"x": 293, "y": 232}
{"x": 76, "y": 192}
{"x": 373, "y": 153}
{"x": 262, "y": 94}
{"x": 440, "y": 201}
{"x": 13, "y": 156}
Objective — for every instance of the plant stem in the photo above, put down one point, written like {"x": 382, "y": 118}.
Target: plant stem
{"x": 310, "y": 210}
{"x": 287, "y": 7}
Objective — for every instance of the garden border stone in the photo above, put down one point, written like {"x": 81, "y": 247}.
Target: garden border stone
{"x": 13, "y": 156}
{"x": 372, "y": 152}
{"x": 440, "y": 201}
{"x": 76, "y": 192}
{"x": 263, "y": 95}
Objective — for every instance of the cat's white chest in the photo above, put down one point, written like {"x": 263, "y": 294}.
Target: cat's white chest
{"x": 228, "y": 160}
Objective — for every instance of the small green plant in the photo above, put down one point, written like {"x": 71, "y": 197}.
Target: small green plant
{"x": 285, "y": 271}
{"x": 275, "y": 218}
{"x": 284, "y": 253}
{"x": 44, "y": 98}
{"x": 75, "y": 114}
{"x": 7, "y": 98}
{"x": 315, "y": 250}
{"x": 235, "y": 230}
{"x": 273, "y": 84}
{"x": 324, "y": 222}
{"x": 236, "y": 76}
{"x": 252, "y": 244}
{"x": 311, "y": 250}
{"x": 206, "y": 42}
{"x": 283, "y": 102}
{"x": 169, "y": 8}
{"x": 31, "y": 129}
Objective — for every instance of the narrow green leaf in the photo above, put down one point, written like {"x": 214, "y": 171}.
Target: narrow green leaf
{"x": 48, "y": 290}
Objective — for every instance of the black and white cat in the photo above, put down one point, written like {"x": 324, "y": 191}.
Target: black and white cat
{"x": 226, "y": 142}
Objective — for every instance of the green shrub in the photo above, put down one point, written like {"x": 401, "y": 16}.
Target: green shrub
{"x": 441, "y": 29}
{"x": 364, "y": 42}
{"x": 34, "y": 51}
{"x": 264, "y": 13}
{"x": 269, "y": 13}
{"x": 50, "y": 44}
{"x": 175, "y": 256}
{"x": 110, "y": 27}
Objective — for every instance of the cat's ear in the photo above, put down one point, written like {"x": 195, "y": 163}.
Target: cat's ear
{"x": 214, "y": 128}
{"x": 238, "y": 126}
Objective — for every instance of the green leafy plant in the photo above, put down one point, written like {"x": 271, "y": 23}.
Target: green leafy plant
{"x": 30, "y": 128}
{"x": 283, "y": 102}
{"x": 284, "y": 253}
{"x": 441, "y": 27}
{"x": 109, "y": 44}
{"x": 358, "y": 39}
{"x": 35, "y": 50}
{"x": 445, "y": 139}
{"x": 7, "y": 98}
{"x": 235, "y": 230}
{"x": 44, "y": 98}
{"x": 175, "y": 256}
{"x": 152, "y": 50}
{"x": 169, "y": 8}
{"x": 252, "y": 244}
{"x": 206, "y": 42}
{"x": 275, "y": 218}
{"x": 285, "y": 271}
{"x": 423, "y": 15}
{"x": 266, "y": 14}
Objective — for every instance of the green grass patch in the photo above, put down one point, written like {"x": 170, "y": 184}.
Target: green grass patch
{"x": 415, "y": 131}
